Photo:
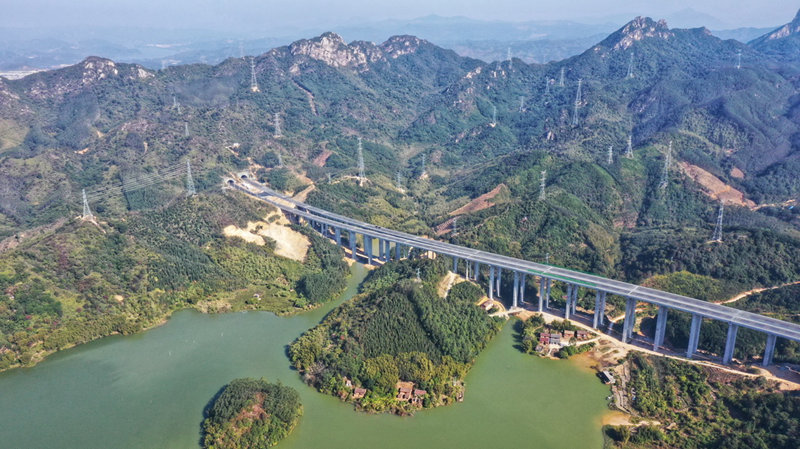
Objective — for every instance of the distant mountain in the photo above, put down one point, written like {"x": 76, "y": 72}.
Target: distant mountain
{"x": 691, "y": 18}
{"x": 745, "y": 34}
{"x": 100, "y": 121}
{"x": 783, "y": 42}
{"x": 488, "y": 40}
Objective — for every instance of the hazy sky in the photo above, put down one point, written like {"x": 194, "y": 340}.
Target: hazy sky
{"x": 266, "y": 15}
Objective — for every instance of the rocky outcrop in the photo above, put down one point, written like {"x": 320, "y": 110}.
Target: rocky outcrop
{"x": 89, "y": 72}
{"x": 331, "y": 49}
{"x": 638, "y": 29}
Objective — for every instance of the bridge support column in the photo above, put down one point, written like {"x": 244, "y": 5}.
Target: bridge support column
{"x": 522, "y": 288}
{"x": 491, "y": 282}
{"x": 397, "y": 251}
{"x": 769, "y": 350}
{"x": 368, "y": 248}
{"x": 630, "y": 320}
{"x": 476, "y": 270}
{"x": 694, "y": 335}
{"x": 337, "y": 235}
{"x": 455, "y": 265}
{"x": 497, "y": 281}
{"x": 730, "y": 344}
{"x": 661, "y": 327}
{"x": 516, "y": 288}
{"x": 575, "y": 299}
{"x": 352, "y": 241}
{"x": 547, "y": 293}
{"x": 541, "y": 294}
{"x": 568, "y": 308}
{"x": 599, "y": 309}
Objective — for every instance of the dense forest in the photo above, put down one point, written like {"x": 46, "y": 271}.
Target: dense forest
{"x": 250, "y": 414}
{"x": 689, "y": 406}
{"x": 397, "y": 329}
{"x": 83, "y": 281}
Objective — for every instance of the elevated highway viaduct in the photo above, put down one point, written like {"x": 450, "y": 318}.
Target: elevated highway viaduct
{"x": 396, "y": 244}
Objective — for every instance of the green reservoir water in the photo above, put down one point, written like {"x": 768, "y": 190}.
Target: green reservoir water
{"x": 149, "y": 390}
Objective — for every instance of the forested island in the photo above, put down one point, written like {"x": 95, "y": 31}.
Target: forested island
{"x": 251, "y": 414}
{"x": 399, "y": 345}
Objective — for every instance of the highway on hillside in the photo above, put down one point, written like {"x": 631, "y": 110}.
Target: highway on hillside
{"x": 678, "y": 302}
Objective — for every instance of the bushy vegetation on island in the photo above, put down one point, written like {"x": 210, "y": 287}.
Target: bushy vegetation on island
{"x": 397, "y": 330}
{"x": 251, "y": 414}
{"x": 695, "y": 407}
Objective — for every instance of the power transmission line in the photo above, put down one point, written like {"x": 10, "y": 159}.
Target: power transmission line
{"x": 718, "y": 229}
{"x": 577, "y": 104}
{"x": 190, "y": 190}
{"x": 361, "y": 176}
{"x": 253, "y": 83}
{"x": 87, "y": 212}
{"x": 665, "y": 172}
{"x": 629, "y": 150}
{"x": 542, "y": 185}
{"x": 276, "y": 118}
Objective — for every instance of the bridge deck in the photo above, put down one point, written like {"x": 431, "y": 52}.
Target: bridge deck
{"x": 678, "y": 302}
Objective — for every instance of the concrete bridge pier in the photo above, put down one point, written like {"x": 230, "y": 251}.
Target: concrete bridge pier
{"x": 541, "y": 294}
{"x": 730, "y": 343}
{"x": 497, "y": 281}
{"x": 476, "y": 270}
{"x": 337, "y": 235}
{"x": 522, "y": 288}
{"x": 599, "y": 309}
{"x": 352, "y": 241}
{"x": 397, "y": 251}
{"x": 455, "y": 265}
{"x": 547, "y": 293}
{"x": 568, "y": 308}
{"x": 491, "y": 282}
{"x": 516, "y": 288}
{"x": 630, "y": 320}
{"x": 661, "y": 327}
{"x": 368, "y": 248}
{"x": 769, "y": 350}
{"x": 575, "y": 299}
{"x": 694, "y": 335}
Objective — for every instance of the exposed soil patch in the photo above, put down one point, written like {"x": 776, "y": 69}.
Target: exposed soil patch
{"x": 322, "y": 157}
{"x": 714, "y": 187}
{"x": 288, "y": 243}
{"x": 480, "y": 203}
